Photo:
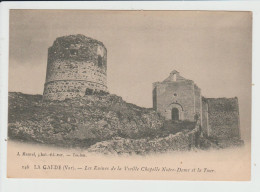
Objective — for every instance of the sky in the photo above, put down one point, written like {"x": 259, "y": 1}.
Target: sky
{"x": 212, "y": 48}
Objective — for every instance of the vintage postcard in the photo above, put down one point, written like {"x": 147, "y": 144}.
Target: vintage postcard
{"x": 143, "y": 95}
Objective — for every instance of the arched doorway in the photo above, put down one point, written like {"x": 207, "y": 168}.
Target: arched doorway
{"x": 175, "y": 114}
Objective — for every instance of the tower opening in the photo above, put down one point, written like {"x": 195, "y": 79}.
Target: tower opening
{"x": 89, "y": 91}
{"x": 73, "y": 52}
{"x": 175, "y": 114}
{"x": 100, "y": 62}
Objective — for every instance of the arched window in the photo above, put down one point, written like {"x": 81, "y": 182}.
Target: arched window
{"x": 175, "y": 114}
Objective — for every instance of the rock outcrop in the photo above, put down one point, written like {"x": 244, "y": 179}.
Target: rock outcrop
{"x": 78, "y": 121}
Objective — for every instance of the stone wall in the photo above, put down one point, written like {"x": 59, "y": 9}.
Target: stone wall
{"x": 75, "y": 63}
{"x": 223, "y": 117}
{"x": 60, "y": 90}
{"x": 205, "y": 124}
{"x": 181, "y": 141}
{"x": 198, "y": 104}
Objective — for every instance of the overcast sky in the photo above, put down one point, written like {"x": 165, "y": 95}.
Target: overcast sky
{"x": 211, "y": 48}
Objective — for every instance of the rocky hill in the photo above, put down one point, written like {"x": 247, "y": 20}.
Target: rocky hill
{"x": 82, "y": 122}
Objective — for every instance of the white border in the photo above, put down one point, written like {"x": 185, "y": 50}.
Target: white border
{"x": 40, "y": 185}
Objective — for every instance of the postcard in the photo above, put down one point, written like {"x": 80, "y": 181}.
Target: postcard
{"x": 142, "y": 95}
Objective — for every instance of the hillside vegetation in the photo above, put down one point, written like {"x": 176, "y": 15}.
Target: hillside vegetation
{"x": 82, "y": 122}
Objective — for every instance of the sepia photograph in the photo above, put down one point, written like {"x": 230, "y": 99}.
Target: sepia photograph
{"x": 150, "y": 95}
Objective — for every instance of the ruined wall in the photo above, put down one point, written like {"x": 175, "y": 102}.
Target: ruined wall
{"x": 154, "y": 97}
{"x": 176, "y": 94}
{"x": 205, "y": 124}
{"x": 181, "y": 141}
{"x": 197, "y": 94}
{"x": 223, "y": 117}
{"x": 75, "y": 63}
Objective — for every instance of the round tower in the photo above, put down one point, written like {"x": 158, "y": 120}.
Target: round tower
{"x": 76, "y": 66}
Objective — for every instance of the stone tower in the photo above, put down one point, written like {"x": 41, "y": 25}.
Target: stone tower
{"x": 77, "y": 65}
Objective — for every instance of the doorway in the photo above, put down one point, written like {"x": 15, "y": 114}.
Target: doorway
{"x": 175, "y": 114}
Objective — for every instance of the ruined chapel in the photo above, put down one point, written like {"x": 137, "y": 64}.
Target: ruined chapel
{"x": 177, "y": 98}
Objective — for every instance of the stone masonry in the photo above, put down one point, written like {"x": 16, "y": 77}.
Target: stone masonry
{"x": 179, "y": 94}
{"x": 77, "y": 65}
{"x": 221, "y": 117}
